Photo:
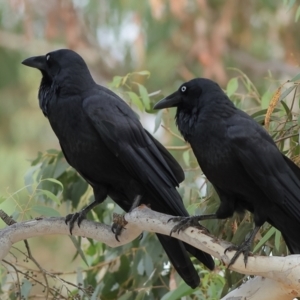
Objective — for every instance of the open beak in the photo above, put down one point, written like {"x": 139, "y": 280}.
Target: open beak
{"x": 38, "y": 62}
{"x": 172, "y": 100}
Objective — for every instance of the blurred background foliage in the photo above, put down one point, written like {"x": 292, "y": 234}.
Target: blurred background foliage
{"x": 142, "y": 50}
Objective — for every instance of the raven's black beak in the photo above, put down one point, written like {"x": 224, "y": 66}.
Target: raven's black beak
{"x": 170, "y": 101}
{"x": 38, "y": 62}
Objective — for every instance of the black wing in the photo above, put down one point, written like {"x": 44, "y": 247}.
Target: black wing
{"x": 171, "y": 161}
{"x": 265, "y": 164}
{"x": 124, "y": 135}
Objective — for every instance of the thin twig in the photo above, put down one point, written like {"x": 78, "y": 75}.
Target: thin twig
{"x": 39, "y": 267}
{"x": 17, "y": 274}
{"x": 178, "y": 148}
{"x": 27, "y": 275}
{"x": 286, "y": 137}
{"x": 9, "y": 221}
{"x": 172, "y": 133}
{"x": 192, "y": 169}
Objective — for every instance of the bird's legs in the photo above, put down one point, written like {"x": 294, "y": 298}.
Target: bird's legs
{"x": 191, "y": 221}
{"x": 119, "y": 221}
{"x": 100, "y": 193}
{"x": 79, "y": 216}
{"x": 244, "y": 248}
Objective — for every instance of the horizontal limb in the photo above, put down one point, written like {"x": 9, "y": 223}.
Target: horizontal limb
{"x": 283, "y": 273}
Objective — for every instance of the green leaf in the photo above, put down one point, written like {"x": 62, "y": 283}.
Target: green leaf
{"x": 96, "y": 291}
{"x": 297, "y": 77}
{"x": 55, "y": 181}
{"x": 28, "y": 178}
{"x": 157, "y": 121}
{"x": 77, "y": 245}
{"x": 286, "y": 108}
{"x": 232, "y": 86}
{"x": 148, "y": 264}
{"x": 124, "y": 79}
{"x": 60, "y": 168}
{"x": 262, "y": 113}
{"x": 142, "y": 295}
{"x": 37, "y": 159}
{"x": 53, "y": 151}
{"x": 286, "y": 92}
{"x": 126, "y": 296}
{"x": 141, "y": 267}
{"x": 46, "y": 211}
{"x": 154, "y": 93}
{"x": 144, "y": 95}
{"x": 265, "y": 238}
{"x": 181, "y": 291}
{"x": 137, "y": 267}
{"x": 192, "y": 208}
{"x": 26, "y": 287}
{"x": 186, "y": 157}
{"x": 49, "y": 195}
{"x": 144, "y": 72}
{"x": 136, "y": 100}
{"x": 265, "y": 99}
{"x": 122, "y": 274}
{"x": 110, "y": 288}
{"x": 277, "y": 239}
{"x": 116, "y": 82}
{"x": 77, "y": 189}
{"x": 91, "y": 250}
{"x": 243, "y": 229}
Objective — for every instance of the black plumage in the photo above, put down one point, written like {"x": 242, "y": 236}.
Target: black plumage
{"x": 102, "y": 138}
{"x": 240, "y": 159}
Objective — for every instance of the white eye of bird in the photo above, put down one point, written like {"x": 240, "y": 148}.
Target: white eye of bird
{"x": 48, "y": 57}
{"x": 183, "y": 88}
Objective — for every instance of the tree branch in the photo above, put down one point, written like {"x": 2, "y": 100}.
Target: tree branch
{"x": 279, "y": 277}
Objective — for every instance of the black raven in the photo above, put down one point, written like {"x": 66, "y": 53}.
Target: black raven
{"x": 241, "y": 161}
{"x": 102, "y": 138}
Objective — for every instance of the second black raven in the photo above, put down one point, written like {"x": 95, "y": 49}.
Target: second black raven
{"x": 102, "y": 138}
{"x": 240, "y": 159}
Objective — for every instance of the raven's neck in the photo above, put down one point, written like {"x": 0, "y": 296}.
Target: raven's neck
{"x": 48, "y": 89}
{"x": 185, "y": 120}
{"x": 189, "y": 119}
{"x": 66, "y": 84}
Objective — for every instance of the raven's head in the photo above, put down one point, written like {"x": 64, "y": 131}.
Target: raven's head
{"x": 190, "y": 94}
{"x": 54, "y": 63}
{"x": 197, "y": 99}
{"x": 61, "y": 70}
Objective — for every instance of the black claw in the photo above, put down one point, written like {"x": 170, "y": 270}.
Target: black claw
{"x": 71, "y": 219}
{"x": 176, "y": 219}
{"x": 80, "y": 218}
{"x": 243, "y": 248}
{"x": 117, "y": 230}
{"x": 118, "y": 225}
{"x": 184, "y": 223}
{"x": 117, "y": 238}
{"x": 114, "y": 228}
{"x": 68, "y": 218}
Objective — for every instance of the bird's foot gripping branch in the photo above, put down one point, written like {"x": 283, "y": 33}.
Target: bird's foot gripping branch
{"x": 277, "y": 277}
{"x": 118, "y": 225}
